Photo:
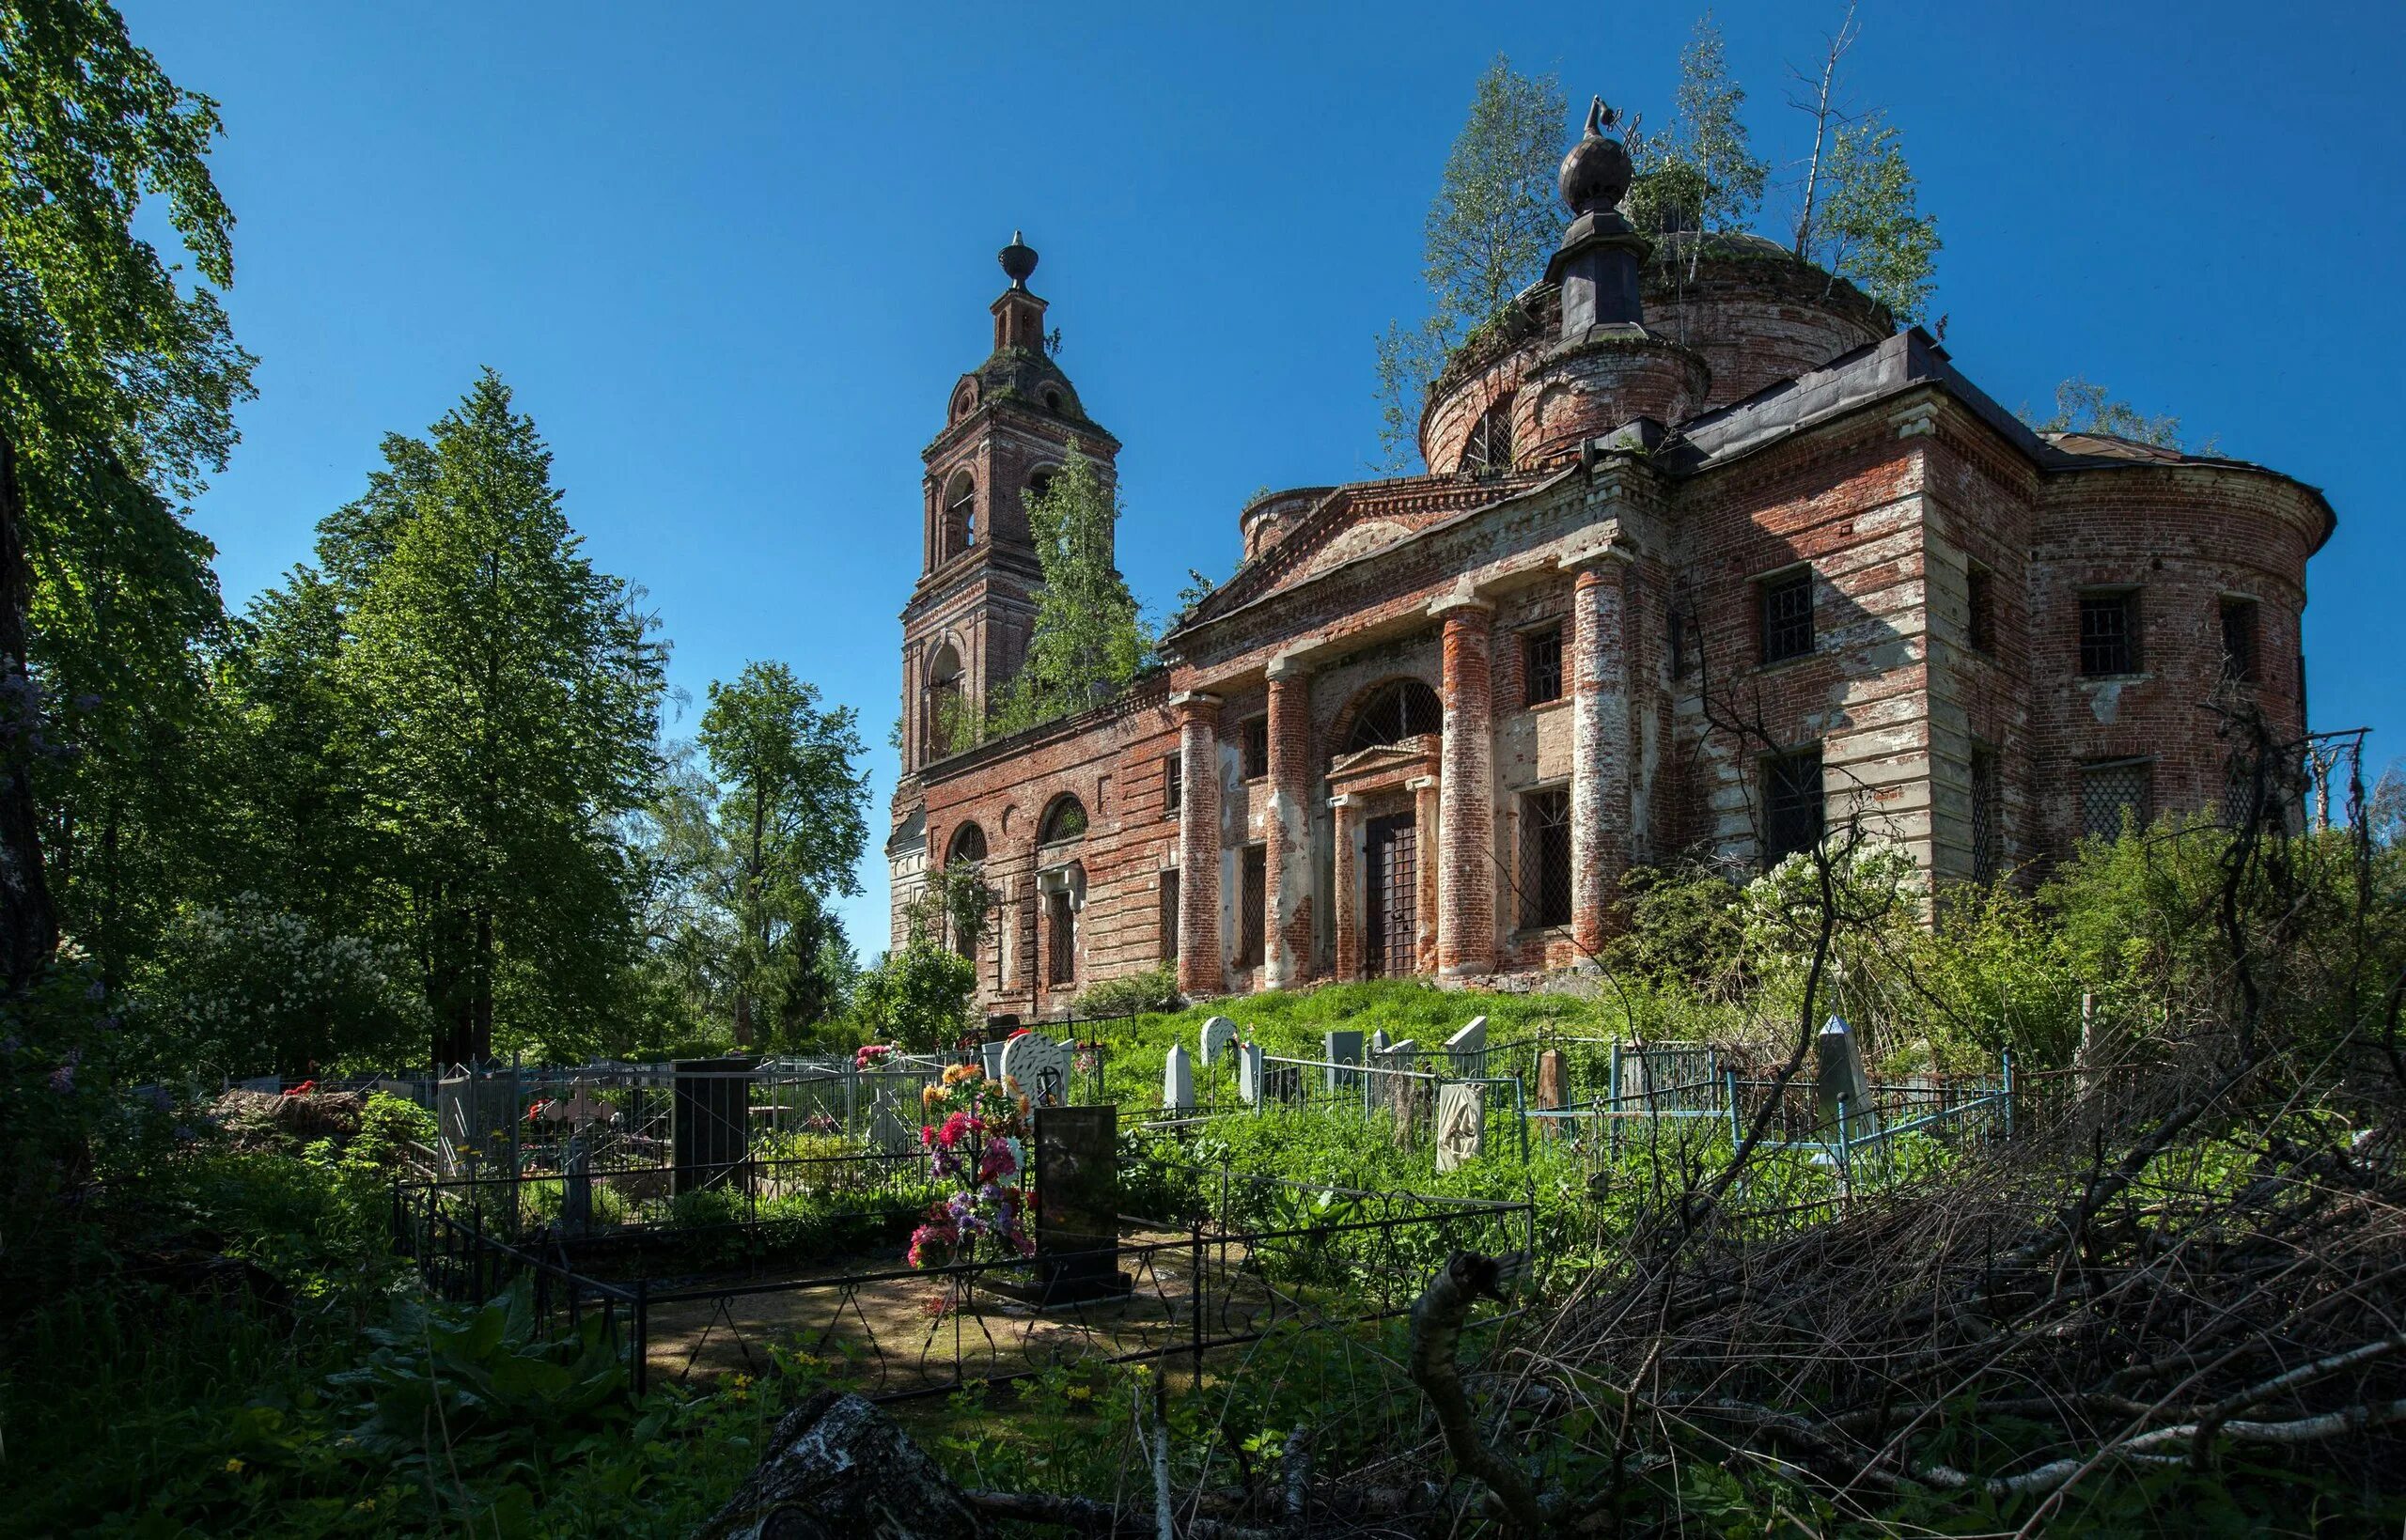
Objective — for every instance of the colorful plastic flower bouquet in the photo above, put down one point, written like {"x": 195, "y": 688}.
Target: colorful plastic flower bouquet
{"x": 976, "y": 1138}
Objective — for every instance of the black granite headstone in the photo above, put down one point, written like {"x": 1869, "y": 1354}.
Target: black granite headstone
{"x": 710, "y": 1103}
{"x": 1077, "y": 1205}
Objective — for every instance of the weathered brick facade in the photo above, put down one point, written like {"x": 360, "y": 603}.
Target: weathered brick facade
{"x": 1840, "y": 583}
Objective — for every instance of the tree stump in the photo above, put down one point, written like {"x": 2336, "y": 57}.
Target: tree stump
{"x": 839, "y": 1469}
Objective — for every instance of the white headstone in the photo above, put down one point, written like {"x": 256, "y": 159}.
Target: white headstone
{"x": 1249, "y": 1072}
{"x": 1042, "y": 1067}
{"x": 1218, "y": 1033}
{"x": 993, "y": 1054}
{"x": 1462, "y": 1124}
{"x": 1377, "y": 1040}
{"x": 1469, "y": 1048}
{"x": 1178, "y": 1081}
{"x": 888, "y": 1128}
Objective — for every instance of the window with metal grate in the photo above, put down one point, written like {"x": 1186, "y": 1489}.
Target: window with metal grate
{"x": 1791, "y": 803}
{"x": 1787, "y": 614}
{"x": 1257, "y": 747}
{"x": 2109, "y": 632}
{"x": 2114, "y": 794}
{"x": 1541, "y": 667}
{"x": 1979, "y": 589}
{"x": 1060, "y": 940}
{"x": 1173, "y": 785}
{"x": 1987, "y": 826}
{"x": 1545, "y": 857}
{"x": 1169, "y": 917}
{"x": 2239, "y": 640}
{"x": 1253, "y": 918}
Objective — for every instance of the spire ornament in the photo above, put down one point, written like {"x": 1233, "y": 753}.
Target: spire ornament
{"x": 1596, "y": 175}
{"x": 1019, "y": 261}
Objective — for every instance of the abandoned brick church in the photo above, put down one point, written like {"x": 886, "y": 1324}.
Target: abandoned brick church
{"x": 1709, "y": 555}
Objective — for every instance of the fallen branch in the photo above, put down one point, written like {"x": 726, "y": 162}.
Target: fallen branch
{"x": 1437, "y": 1319}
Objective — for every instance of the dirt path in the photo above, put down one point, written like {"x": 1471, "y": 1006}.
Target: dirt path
{"x": 915, "y": 1332}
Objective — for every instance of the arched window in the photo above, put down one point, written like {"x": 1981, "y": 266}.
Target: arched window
{"x": 968, "y": 845}
{"x": 961, "y": 514}
{"x": 945, "y": 706}
{"x": 1490, "y": 450}
{"x": 965, "y": 401}
{"x": 1038, "y": 486}
{"x": 1066, "y": 820}
{"x": 1395, "y": 711}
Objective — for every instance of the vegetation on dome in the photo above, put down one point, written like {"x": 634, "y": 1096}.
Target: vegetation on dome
{"x": 1699, "y": 187}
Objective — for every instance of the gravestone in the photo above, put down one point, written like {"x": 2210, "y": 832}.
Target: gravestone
{"x": 1077, "y": 1205}
{"x": 1552, "y": 1091}
{"x": 579, "y": 1110}
{"x": 1249, "y": 1072}
{"x": 1341, "y": 1048}
{"x": 1838, "y": 1072}
{"x": 1408, "y": 1095}
{"x": 710, "y": 1104}
{"x": 1468, "y": 1048}
{"x": 1178, "y": 1081}
{"x": 473, "y": 1116}
{"x": 1462, "y": 1124}
{"x": 1219, "y": 1034}
{"x": 1378, "y": 1043}
{"x": 992, "y": 1053}
{"x": 892, "y": 1125}
{"x": 1040, "y": 1066}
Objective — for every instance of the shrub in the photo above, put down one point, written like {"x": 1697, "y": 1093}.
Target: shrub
{"x": 1153, "y": 990}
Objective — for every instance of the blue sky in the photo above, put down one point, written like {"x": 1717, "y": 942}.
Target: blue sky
{"x": 732, "y": 257}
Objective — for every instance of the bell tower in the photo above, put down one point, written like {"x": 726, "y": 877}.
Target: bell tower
{"x": 1009, "y": 425}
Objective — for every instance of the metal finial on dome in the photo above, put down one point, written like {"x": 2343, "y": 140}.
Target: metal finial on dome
{"x": 1596, "y": 174}
{"x": 1018, "y": 259}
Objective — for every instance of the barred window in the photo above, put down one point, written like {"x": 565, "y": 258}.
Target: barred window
{"x": 1541, "y": 667}
{"x": 2109, "y": 632}
{"x": 1678, "y": 626}
{"x": 1787, "y": 603}
{"x": 1545, "y": 857}
{"x": 1066, "y": 820}
{"x": 2239, "y": 640}
{"x": 2115, "y": 793}
{"x": 1791, "y": 803}
{"x": 1980, "y": 588}
{"x": 1257, "y": 747}
{"x": 1173, "y": 785}
{"x": 1405, "y": 708}
{"x": 1253, "y": 915}
{"x": 1169, "y": 917}
{"x": 1987, "y": 826}
{"x": 1060, "y": 940}
{"x": 1489, "y": 449}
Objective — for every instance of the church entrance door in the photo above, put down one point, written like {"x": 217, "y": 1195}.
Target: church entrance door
{"x": 1393, "y": 851}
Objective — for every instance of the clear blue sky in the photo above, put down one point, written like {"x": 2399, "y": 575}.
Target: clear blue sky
{"x": 732, "y": 257}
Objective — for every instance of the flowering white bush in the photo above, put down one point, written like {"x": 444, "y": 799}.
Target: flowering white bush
{"x": 250, "y": 988}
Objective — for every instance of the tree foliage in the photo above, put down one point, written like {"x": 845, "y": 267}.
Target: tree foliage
{"x": 1702, "y": 173}
{"x": 789, "y": 824}
{"x": 118, "y": 377}
{"x": 1872, "y": 229}
{"x": 1089, "y": 640}
{"x": 2083, "y": 407}
{"x": 1486, "y": 237}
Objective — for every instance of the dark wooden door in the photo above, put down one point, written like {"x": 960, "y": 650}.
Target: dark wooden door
{"x": 1393, "y": 858}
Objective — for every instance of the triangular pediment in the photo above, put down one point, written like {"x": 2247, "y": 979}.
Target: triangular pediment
{"x": 1384, "y": 763}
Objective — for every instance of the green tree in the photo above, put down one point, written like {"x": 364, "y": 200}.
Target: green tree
{"x": 118, "y": 376}
{"x": 1872, "y": 229}
{"x": 512, "y": 697}
{"x": 1488, "y": 232}
{"x": 1089, "y": 640}
{"x": 2082, "y": 407}
{"x": 1702, "y": 175}
{"x": 790, "y": 824}
{"x": 917, "y": 997}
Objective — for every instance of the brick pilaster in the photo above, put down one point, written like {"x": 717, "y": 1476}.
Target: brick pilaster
{"x": 1199, "y": 963}
{"x": 1287, "y": 930}
{"x": 1343, "y": 814}
{"x": 1600, "y": 745}
{"x": 1466, "y": 795}
{"x": 1424, "y": 907}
